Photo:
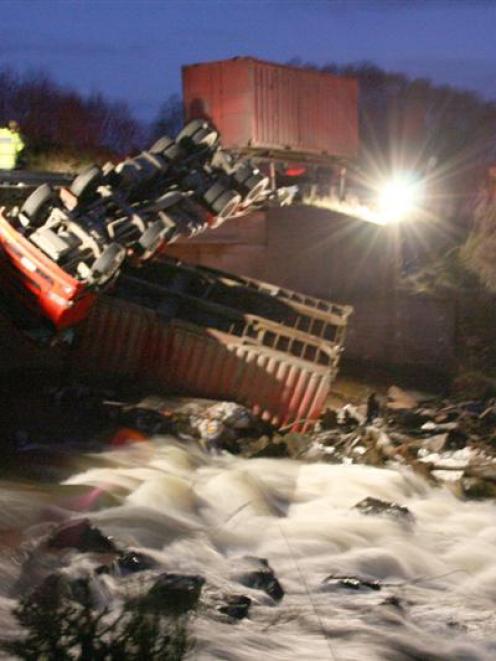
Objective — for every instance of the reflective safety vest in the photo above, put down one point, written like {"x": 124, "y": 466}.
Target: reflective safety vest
{"x": 11, "y": 144}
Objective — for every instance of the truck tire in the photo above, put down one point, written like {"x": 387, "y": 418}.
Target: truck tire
{"x": 214, "y": 192}
{"x": 85, "y": 184}
{"x": 250, "y": 182}
{"x": 143, "y": 171}
{"x": 226, "y": 204}
{"x": 128, "y": 174}
{"x": 161, "y": 145}
{"x": 152, "y": 239}
{"x": 222, "y": 201}
{"x": 168, "y": 200}
{"x": 254, "y": 188}
{"x": 197, "y": 133}
{"x": 191, "y": 127}
{"x": 38, "y": 205}
{"x": 108, "y": 263}
{"x": 168, "y": 149}
{"x": 173, "y": 153}
{"x": 151, "y": 164}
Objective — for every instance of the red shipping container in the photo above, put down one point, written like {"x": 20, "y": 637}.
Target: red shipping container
{"x": 259, "y": 106}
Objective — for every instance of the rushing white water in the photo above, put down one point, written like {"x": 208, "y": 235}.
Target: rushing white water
{"x": 197, "y": 513}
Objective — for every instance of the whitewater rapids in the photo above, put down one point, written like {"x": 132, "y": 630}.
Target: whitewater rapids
{"x": 197, "y": 513}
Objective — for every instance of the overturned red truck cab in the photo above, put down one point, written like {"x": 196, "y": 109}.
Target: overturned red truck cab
{"x": 58, "y": 250}
{"x": 33, "y": 282}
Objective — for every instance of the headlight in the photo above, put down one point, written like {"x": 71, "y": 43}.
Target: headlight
{"x": 397, "y": 199}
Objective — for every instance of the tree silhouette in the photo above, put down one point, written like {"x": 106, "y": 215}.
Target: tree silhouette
{"x": 54, "y": 119}
{"x": 170, "y": 117}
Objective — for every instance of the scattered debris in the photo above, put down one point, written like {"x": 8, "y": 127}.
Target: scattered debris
{"x": 400, "y": 399}
{"x": 442, "y": 440}
{"x": 373, "y": 408}
{"x": 350, "y": 415}
{"x": 445, "y": 441}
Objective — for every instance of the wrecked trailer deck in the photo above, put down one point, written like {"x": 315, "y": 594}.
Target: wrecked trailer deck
{"x": 199, "y": 344}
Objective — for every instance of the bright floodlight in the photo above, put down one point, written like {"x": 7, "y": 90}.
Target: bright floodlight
{"x": 397, "y": 199}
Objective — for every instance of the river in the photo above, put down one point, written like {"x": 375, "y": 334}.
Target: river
{"x": 200, "y": 513}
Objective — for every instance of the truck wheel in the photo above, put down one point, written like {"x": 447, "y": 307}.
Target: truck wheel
{"x": 191, "y": 127}
{"x": 218, "y": 196}
{"x": 161, "y": 145}
{"x": 37, "y": 206}
{"x": 168, "y": 149}
{"x": 108, "y": 263}
{"x": 149, "y": 165}
{"x": 226, "y": 204}
{"x": 168, "y": 200}
{"x": 173, "y": 153}
{"x": 155, "y": 160}
{"x": 250, "y": 182}
{"x": 197, "y": 133}
{"x": 128, "y": 174}
{"x": 256, "y": 187}
{"x": 151, "y": 239}
{"x": 214, "y": 192}
{"x": 85, "y": 184}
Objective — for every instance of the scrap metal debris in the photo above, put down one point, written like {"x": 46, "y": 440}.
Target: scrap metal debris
{"x": 446, "y": 441}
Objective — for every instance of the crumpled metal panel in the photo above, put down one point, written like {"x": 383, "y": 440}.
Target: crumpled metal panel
{"x": 124, "y": 341}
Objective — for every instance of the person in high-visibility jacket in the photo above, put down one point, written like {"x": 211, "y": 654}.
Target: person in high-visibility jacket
{"x": 11, "y": 145}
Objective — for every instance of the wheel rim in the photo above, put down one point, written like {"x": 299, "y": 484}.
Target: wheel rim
{"x": 228, "y": 209}
{"x": 256, "y": 191}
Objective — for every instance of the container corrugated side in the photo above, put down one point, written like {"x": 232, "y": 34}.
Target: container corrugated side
{"x": 261, "y": 106}
{"x": 124, "y": 341}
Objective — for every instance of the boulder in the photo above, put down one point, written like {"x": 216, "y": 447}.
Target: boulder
{"x": 237, "y": 606}
{"x": 81, "y": 535}
{"x": 49, "y": 592}
{"x": 132, "y": 562}
{"x": 174, "y": 594}
{"x": 376, "y": 507}
{"x": 262, "y": 577}
{"x": 58, "y": 586}
{"x": 352, "y": 582}
{"x": 479, "y": 482}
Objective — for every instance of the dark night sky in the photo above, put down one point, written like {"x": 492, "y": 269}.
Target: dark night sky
{"x": 133, "y": 49}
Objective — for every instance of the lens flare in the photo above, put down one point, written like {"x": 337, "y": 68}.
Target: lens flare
{"x": 398, "y": 199}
